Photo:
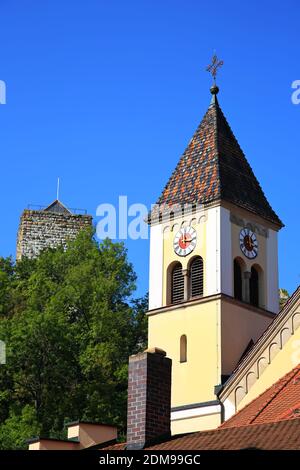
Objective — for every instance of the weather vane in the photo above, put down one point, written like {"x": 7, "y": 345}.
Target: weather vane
{"x": 213, "y": 67}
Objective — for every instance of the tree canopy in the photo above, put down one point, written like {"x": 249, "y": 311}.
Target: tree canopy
{"x": 69, "y": 322}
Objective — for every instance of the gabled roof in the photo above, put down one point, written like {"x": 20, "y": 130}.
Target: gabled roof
{"x": 281, "y": 435}
{"x": 280, "y": 401}
{"x": 213, "y": 167}
{"x": 57, "y": 207}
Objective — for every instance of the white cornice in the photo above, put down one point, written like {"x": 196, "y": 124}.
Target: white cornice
{"x": 210, "y": 298}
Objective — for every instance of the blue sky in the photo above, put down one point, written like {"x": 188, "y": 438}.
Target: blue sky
{"x": 106, "y": 95}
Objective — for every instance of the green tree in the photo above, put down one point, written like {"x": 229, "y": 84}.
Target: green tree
{"x": 17, "y": 427}
{"x": 70, "y": 322}
{"x": 283, "y": 297}
{"x": 6, "y": 277}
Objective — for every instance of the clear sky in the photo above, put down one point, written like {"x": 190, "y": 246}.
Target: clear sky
{"x": 107, "y": 94}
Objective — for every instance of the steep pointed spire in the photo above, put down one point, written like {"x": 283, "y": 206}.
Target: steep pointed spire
{"x": 214, "y": 168}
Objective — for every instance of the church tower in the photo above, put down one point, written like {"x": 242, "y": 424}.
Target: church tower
{"x": 213, "y": 269}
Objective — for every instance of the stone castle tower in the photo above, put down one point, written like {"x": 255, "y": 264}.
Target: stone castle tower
{"x": 49, "y": 227}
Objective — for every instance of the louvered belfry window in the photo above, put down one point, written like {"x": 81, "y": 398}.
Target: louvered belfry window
{"x": 196, "y": 277}
{"x": 177, "y": 284}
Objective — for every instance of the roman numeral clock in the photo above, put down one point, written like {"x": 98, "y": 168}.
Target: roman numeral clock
{"x": 185, "y": 241}
{"x": 248, "y": 243}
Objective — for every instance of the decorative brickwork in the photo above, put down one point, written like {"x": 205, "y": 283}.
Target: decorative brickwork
{"x": 149, "y": 398}
{"x": 40, "y": 229}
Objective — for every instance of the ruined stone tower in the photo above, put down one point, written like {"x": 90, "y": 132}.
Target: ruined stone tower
{"x": 49, "y": 227}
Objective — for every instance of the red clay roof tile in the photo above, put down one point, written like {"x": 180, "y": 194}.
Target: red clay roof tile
{"x": 271, "y": 405}
{"x": 213, "y": 167}
{"x": 281, "y": 435}
{"x": 271, "y": 422}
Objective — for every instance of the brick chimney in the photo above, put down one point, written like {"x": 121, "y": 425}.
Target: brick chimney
{"x": 149, "y": 398}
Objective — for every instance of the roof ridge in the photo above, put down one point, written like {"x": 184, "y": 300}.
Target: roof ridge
{"x": 252, "y": 174}
{"x": 217, "y": 108}
{"x": 265, "y": 423}
{"x": 220, "y": 428}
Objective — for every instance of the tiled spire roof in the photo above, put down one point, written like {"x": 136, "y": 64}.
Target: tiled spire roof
{"x": 214, "y": 167}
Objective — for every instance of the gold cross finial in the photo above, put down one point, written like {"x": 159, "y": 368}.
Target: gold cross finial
{"x": 213, "y": 67}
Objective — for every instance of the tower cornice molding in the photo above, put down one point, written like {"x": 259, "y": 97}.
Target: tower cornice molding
{"x": 207, "y": 299}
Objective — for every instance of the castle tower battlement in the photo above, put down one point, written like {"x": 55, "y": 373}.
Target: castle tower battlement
{"x": 48, "y": 228}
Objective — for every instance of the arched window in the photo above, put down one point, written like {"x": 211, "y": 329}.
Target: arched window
{"x": 177, "y": 286}
{"x": 183, "y": 348}
{"x": 196, "y": 277}
{"x": 254, "y": 287}
{"x": 238, "y": 282}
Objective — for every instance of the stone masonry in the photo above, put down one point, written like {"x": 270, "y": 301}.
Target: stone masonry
{"x": 51, "y": 227}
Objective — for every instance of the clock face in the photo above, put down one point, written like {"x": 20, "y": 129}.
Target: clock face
{"x": 185, "y": 241}
{"x": 248, "y": 243}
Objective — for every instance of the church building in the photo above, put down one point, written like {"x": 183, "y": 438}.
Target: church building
{"x": 213, "y": 269}
{"x": 222, "y": 368}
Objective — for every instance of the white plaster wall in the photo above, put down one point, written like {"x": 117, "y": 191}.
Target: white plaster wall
{"x": 193, "y": 412}
{"x": 213, "y": 268}
{"x": 229, "y": 409}
{"x": 272, "y": 272}
{"x": 226, "y": 253}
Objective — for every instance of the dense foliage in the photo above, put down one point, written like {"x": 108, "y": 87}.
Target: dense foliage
{"x": 283, "y": 297}
{"x": 69, "y": 324}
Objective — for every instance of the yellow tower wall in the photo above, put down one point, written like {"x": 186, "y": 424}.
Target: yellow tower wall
{"x": 218, "y": 328}
{"x": 192, "y": 381}
{"x": 239, "y": 324}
